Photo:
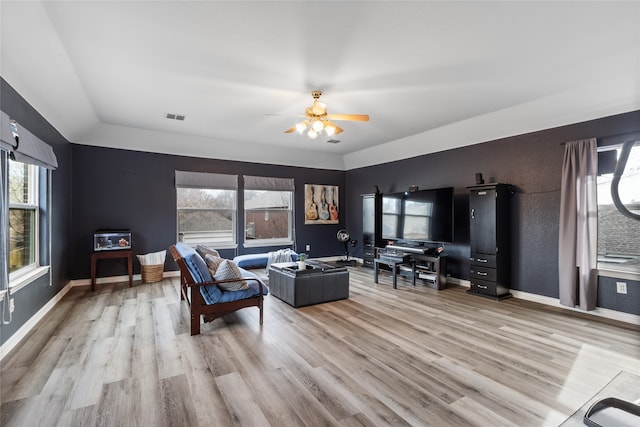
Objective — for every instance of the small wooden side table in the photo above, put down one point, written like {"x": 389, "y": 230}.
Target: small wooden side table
{"x": 128, "y": 254}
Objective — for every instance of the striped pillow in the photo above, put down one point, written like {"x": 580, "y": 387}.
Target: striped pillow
{"x": 213, "y": 262}
{"x": 206, "y": 250}
{"x": 229, "y": 270}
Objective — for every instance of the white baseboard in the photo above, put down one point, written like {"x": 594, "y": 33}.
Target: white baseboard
{"x": 31, "y": 323}
{"x": 555, "y": 302}
{"x": 633, "y": 319}
{"x": 118, "y": 279}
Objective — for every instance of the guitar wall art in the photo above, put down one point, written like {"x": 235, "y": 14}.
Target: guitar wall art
{"x": 321, "y": 204}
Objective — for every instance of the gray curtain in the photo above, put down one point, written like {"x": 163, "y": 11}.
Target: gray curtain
{"x": 578, "y": 237}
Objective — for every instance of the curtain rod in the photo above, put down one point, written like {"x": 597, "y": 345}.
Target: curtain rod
{"x": 615, "y": 139}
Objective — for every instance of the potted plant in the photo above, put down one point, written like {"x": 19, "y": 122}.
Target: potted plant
{"x": 302, "y": 262}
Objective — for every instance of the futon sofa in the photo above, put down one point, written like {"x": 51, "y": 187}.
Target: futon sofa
{"x": 205, "y": 296}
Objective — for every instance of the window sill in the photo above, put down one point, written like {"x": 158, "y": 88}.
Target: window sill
{"x": 17, "y": 283}
{"x": 619, "y": 274}
{"x": 267, "y": 243}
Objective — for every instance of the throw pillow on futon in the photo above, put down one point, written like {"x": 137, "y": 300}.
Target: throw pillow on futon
{"x": 229, "y": 270}
{"x": 213, "y": 262}
{"x": 203, "y": 250}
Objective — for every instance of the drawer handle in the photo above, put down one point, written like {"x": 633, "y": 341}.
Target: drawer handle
{"x": 481, "y": 273}
{"x": 481, "y": 287}
{"x": 482, "y": 260}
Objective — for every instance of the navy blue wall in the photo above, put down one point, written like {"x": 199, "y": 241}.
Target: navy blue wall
{"x": 135, "y": 190}
{"x": 532, "y": 163}
{"x": 34, "y": 296}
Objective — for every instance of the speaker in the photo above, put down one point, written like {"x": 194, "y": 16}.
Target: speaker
{"x": 479, "y": 179}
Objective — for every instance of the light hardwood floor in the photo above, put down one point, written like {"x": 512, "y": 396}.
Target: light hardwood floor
{"x": 411, "y": 356}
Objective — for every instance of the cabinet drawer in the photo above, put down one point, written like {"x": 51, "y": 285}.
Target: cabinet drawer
{"x": 483, "y": 259}
{"x": 483, "y": 273}
{"x": 369, "y": 253}
{"x": 486, "y": 288}
{"x": 367, "y": 262}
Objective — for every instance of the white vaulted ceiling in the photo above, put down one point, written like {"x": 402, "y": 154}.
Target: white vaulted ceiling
{"x": 431, "y": 75}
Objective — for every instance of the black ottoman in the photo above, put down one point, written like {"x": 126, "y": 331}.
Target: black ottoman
{"x": 319, "y": 282}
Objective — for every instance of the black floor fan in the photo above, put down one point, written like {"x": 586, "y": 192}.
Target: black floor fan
{"x": 344, "y": 237}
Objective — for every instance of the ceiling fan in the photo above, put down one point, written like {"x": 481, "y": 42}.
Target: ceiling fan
{"x": 317, "y": 119}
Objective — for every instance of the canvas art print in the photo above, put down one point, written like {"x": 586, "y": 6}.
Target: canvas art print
{"x": 321, "y": 204}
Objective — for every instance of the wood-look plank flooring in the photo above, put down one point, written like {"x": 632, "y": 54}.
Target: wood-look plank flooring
{"x": 407, "y": 356}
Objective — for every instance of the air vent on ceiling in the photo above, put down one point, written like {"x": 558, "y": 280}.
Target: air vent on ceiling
{"x": 333, "y": 141}
{"x": 175, "y": 116}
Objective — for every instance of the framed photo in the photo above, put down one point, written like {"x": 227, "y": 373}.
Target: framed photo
{"x": 321, "y": 204}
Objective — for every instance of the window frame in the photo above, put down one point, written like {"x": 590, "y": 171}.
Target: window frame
{"x": 280, "y": 241}
{"x": 208, "y": 181}
{"x": 33, "y": 205}
{"x": 611, "y": 269}
{"x": 270, "y": 184}
{"x": 224, "y": 244}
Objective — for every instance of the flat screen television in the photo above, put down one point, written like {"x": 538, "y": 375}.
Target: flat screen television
{"x": 423, "y": 216}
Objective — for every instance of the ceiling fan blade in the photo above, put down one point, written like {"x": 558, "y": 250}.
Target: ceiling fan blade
{"x": 284, "y": 115}
{"x": 350, "y": 117}
{"x": 338, "y": 128}
{"x": 291, "y": 129}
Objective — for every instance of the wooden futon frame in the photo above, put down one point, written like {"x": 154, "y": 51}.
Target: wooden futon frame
{"x": 190, "y": 291}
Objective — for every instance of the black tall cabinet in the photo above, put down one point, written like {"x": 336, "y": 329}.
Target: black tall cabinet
{"x": 489, "y": 216}
{"x": 371, "y": 227}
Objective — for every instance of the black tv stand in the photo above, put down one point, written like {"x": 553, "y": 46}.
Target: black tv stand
{"x": 407, "y": 248}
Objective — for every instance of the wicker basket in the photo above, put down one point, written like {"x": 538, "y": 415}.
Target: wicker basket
{"x": 152, "y": 273}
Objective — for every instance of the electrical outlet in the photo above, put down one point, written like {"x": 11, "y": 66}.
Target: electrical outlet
{"x": 621, "y": 287}
{"x": 308, "y": 247}
{"x": 12, "y": 305}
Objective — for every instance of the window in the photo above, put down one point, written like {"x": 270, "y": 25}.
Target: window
{"x": 26, "y": 163}
{"x": 267, "y": 217}
{"x": 206, "y": 208}
{"x": 207, "y": 216}
{"x": 618, "y": 234}
{"x": 23, "y": 217}
{"x": 268, "y": 211}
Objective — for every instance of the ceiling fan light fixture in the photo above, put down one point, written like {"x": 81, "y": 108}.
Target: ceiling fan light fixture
{"x": 330, "y": 130}
{"x": 317, "y": 119}
{"x": 300, "y": 127}
{"x": 317, "y": 126}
